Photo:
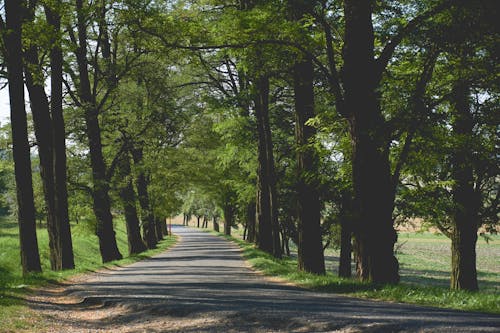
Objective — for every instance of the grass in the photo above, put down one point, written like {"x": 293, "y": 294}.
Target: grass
{"x": 14, "y": 287}
{"x": 425, "y": 268}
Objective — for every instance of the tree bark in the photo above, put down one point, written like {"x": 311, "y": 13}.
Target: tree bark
{"x": 268, "y": 238}
{"x": 250, "y": 222}
{"x": 158, "y": 227}
{"x": 43, "y": 133}
{"x": 59, "y": 143}
{"x": 148, "y": 223}
{"x": 100, "y": 193}
{"x": 310, "y": 247}
{"x": 216, "y": 224}
{"x": 345, "y": 237}
{"x": 373, "y": 228}
{"x": 30, "y": 257}
{"x": 466, "y": 213}
{"x": 228, "y": 218}
{"x": 128, "y": 199}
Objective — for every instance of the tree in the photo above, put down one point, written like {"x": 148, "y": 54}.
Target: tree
{"x": 87, "y": 100}
{"x": 12, "y": 30}
{"x": 50, "y": 135}
{"x": 310, "y": 247}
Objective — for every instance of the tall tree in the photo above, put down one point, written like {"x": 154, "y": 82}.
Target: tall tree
{"x": 310, "y": 247}
{"x": 266, "y": 218}
{"x": 59, "y": 138}
{"x": 50, "y": 134}
{"x": 30, "y": 257}
{"x": 100, "y": 192}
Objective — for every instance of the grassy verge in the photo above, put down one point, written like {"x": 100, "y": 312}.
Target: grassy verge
{"x": 14, "y": 313}
{"x": 439, "y": 296}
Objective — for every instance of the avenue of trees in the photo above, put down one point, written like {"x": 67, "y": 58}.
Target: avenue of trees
{"x": 305, "y": 121}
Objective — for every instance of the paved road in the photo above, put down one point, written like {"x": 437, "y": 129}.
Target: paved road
{"x": 204, "y": 284}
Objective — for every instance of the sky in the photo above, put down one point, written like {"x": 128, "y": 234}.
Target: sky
{"x": 4, "y": 106}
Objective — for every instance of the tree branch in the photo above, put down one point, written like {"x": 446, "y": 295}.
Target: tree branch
{"x": 390, "y": 47}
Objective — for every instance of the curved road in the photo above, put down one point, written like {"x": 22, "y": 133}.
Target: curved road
{"x": 203, "y": 285}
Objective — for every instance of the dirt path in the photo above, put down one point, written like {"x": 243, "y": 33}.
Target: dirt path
{"x": 203, "y": 285}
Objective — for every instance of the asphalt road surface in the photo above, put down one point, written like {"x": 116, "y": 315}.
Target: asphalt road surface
{"x": 203, "y": 285}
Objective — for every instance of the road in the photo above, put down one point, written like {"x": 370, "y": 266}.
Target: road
{"x": 203, "y": 285}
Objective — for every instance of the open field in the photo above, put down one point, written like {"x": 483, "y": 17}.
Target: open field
{"x": 425, "y": 259}
{"x": 13, "y": 286}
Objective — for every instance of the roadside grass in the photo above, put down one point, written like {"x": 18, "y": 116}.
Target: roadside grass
{"x": 14, "y": 313}
{"x": 413, "y": 288}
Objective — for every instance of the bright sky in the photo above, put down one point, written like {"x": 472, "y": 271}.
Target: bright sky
{"x": 4, "y": 106}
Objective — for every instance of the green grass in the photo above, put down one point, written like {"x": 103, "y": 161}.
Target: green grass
{"x": 417, "y": 256}
{"x": 14, "y": 287}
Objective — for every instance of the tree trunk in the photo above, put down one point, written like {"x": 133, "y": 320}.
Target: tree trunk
{"x": 373, "y": 229}
{"x": 216, "y": 224}
{"x": 465, "y": 216}
{"x": 310, "y": 247}
{"x": 251, "y": 222}
{"x": 268, "y": 238}
{"x": 128, "y": 199}
{"x": 345, "y": 237}
{"x": 43, "y": 133}
{"x": 100, "y": 193}
{"x": 59, "y": 144}
{"x": 228, "y": 218}
{"x": 198, "y": 221}
{"x": 148, "y": 223}
{"x": 158, "y": 228}
{"x": 164, "y": 227}
{"x": 30, "y": 257}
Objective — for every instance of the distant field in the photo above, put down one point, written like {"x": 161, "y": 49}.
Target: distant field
{"x": 425, "y": 259}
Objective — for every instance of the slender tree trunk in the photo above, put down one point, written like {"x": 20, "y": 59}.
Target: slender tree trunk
{"x": 100, "y": 194}
{"x": 148, "y": 223}
{"x": 373, "y": 230}
{"x": 59, "y": 143}
{"x": 164, "y": 227}
{"x": 158, "y": 228}
{"x": 465, "y": 216}
{"x": 30, "y": 257}
{"x": 228, "y": 218}
{"x": 251, "y": 222}
{"x": 128, "y": 200}
{"x": 310, "y": 247}
{"x": 216, "y": 224}
{"x": 198, "y": 218}
{"x": 268, "y": 238}
{"x": 345, "y": 237}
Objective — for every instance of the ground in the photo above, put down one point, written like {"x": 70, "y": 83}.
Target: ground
{"x": 203, "y": 285}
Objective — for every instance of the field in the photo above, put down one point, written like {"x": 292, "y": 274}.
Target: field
{"x": 425, "y": 260}
{"x": 87, "y": 258}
